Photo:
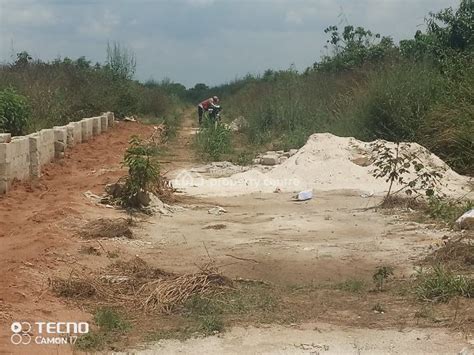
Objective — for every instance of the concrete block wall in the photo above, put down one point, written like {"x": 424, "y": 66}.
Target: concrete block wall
{"x": 23, "y": 157}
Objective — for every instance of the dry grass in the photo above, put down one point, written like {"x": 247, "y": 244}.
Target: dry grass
{"x": 107, "y": 228}
{"x": 406, "y": 202}
{"x": 457, "y": 253}
{"x": 136, "y": 285}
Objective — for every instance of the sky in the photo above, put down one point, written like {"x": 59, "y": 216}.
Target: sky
{"x": 205, "y": 41}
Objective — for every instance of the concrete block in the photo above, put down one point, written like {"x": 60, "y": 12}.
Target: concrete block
{"x": 35, "y": 166}
{"x": 4, "y": 186}
{"x": 269, "y": 159}
{"x": 104, "y": 122}
{"x": 60, "y": 134}
{"x": 70, "y": 136}
{"x": 96, "y": 126}
{"x": 59, "y": 149}
{"x": 5, "y": 170}
{"x": 110, "y": 119}
{"x": 47, "y": 135}
{"x": 77, "y": 131}
{"x": 34, "y": 140}
{"x": 4, "y": 152}
{"x": 5, "y": 137}
{"x": 84, "y": 135}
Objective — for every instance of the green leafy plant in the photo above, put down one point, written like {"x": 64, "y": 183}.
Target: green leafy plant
{"x": 14, "y": 112}
{"x": 448, "y": 210}
{"x": 381, "y": 275}
{"x": 143, "y": 171}
{"x": 214, "y": 141}
{"x": 396, "y": 165}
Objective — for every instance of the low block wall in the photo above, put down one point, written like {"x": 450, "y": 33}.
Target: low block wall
{"x": 23, "y": 157}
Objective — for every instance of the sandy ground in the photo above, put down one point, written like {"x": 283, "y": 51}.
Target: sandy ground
{"x": 330, "y": 237}
{"x": 317, "y": 338}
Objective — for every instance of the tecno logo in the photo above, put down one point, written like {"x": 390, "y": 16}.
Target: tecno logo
{"x": 21, "y": 333}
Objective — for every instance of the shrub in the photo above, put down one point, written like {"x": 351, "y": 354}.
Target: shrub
{"x": 143, "y": 171}
{"x": 440, "y": 285}
{"x": 14, "y": 112}
{"x": 214, "y": 141}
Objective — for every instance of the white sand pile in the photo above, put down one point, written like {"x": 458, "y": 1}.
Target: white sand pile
{"x": 325, "y": 162}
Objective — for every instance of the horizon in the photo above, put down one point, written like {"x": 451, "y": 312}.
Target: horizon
{"x": 202, "y": 41}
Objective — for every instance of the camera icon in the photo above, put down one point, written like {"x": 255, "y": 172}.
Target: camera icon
{"x": 21, "y": 332}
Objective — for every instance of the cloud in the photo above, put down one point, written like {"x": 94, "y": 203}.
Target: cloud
{"x": 17, "y": 13}
{"x": 293, "y": 17}
{"x": 191, "y": 41}
{"x": 199, "y": 2}
{"x": 101, "y": 26}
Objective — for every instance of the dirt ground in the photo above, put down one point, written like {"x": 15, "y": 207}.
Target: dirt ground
{"x": 35, "y": 240}
{"x": 268, "y": 237}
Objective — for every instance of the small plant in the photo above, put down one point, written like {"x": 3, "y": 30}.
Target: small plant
{"x": 448, "y": 210}
{"x": 378, "y": 308}
{"x": 110, "y": 320}
{"x": 214, "y": 141}
{"x": 440, "y": 285}
{"x": 397, "y": 164}
{"x": 110, "y": 325}
{"x": 14, "y": 112}
{"x": 381, "y": 275}
{"x": 143, "y": 171}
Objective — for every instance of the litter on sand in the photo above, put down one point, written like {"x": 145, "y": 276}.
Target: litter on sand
{"x": 304, "y": 195}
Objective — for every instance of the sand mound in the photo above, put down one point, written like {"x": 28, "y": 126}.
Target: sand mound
{"x": 325, "y": 162}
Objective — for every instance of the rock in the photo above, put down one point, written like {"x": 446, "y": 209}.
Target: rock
{"x": 142, "y": 198}
{"x": 269, "y": 159}
{"x": 217, "y": 210}
{"x": 238, "y": 124}
{"x": 5, "y": 137}
{"x": 292, "y": 152}
{"x": 283, "y": 159}
{"x": 256, "y": 161}
{"x": 466, "y": 221}
{"x": 114, "y": 190}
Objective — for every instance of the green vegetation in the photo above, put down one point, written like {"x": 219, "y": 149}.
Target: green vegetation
{"x": 14, "y": 112}
{"x": 369, "y": 87}
{"x": 65, "y": 90}
{"x": 441, "y": 284}
{"x": 447, "y": 210}
{"x": 381, "y": 275}
{"x": 143, "y": 172}
{"x": 213, "y": 141}
{"x": 110, "y": 326}
{"x": 352, "y": 285}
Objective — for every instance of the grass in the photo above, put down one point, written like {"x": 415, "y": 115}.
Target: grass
{"x": 352, "y": 285}
{"x": 110, "y": 326}
{"x": 213, "y": 141}
{"x": 448, "y": 211}
{"x": 441, "y": 284}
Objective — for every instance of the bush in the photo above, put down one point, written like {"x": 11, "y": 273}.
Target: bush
{"x": 397, "y": 99}
{"x": 440, "y": 285}
{"x": 214, "y": 141}
{"x": 143, "y": 171}
{"x": 14, "y": 112}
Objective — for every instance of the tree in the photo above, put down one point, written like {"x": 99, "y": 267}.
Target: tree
{"x": 121, "y": 61}
{"x": 23, "y": 59}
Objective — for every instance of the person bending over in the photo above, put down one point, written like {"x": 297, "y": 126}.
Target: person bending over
{"x": 206, "y": 105}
